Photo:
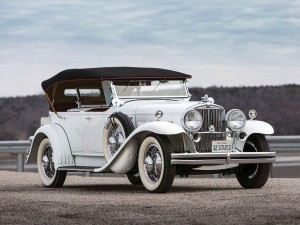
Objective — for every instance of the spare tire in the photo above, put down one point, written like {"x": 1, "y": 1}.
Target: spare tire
{"x": 119, "y": 128}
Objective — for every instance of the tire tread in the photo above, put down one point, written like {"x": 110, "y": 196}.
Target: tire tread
{"x": 264, "y": 169}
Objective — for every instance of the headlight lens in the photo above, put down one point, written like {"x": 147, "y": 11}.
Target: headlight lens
{"x": 192, "y": 120}
{"x": 236, "y": 119}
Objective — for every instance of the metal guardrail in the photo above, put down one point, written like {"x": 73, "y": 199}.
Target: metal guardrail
{"x": 284, "y": 144}
{"x": 16, "y": 147}
{"x": 279, "y": 144}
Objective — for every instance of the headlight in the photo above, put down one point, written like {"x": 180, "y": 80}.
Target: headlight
{"x": 192, "y": 120}
{"x": 236, "y": 119}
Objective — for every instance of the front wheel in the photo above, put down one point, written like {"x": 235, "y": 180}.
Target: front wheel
{"x": 254, "y": 175}
{"x": 154, "y": 162}
{"x": 50, "y": 177}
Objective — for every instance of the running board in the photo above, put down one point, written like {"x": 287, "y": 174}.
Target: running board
{"x": 93, "y": 169}
{"x": 77, "y": 168}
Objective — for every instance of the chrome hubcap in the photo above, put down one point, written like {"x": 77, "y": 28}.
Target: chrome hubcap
{"x": 152, "y": 163}
{"x": 47, "y": 162}
{"x": 115, "y": 139}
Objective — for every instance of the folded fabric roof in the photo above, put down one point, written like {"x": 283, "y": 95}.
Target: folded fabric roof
{"x": 113, "y": 73}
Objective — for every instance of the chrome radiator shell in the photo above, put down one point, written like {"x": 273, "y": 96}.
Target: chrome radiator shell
{"x": 213, "y": 128}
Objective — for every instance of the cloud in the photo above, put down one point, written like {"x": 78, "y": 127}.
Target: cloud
{"x": 241, "y": 43}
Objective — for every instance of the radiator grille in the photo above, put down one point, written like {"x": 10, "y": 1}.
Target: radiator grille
{"x": 211, "y": 116}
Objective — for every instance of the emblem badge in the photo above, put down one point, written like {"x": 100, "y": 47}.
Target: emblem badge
{"x": 212, "y": 129}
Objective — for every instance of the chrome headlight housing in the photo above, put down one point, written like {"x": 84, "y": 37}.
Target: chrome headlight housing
{"x": 192, "y": 120}
{"x": 236, "y": 119}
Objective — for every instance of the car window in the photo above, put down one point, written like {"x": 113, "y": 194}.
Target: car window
{"x": 75, "y": 94}
{"x": 83, "y": 92}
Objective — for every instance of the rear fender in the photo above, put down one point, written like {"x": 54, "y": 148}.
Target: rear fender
{"x": 60, "y": 145}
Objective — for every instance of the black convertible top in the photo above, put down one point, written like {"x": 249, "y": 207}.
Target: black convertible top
{"x": 113, "y": 73}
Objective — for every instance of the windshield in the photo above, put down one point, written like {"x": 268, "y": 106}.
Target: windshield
{"x": 151, "y": 88}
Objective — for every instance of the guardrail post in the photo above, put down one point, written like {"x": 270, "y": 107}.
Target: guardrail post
{"x": 20, "y": 165}
{"x": 87, "y": 174}
{"x": 217, "y": 176}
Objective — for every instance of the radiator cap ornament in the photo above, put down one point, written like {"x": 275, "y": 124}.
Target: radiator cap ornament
{"x": 207, "y": 99}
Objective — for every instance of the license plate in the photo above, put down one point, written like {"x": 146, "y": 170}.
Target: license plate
{"x": 221, "y": 146}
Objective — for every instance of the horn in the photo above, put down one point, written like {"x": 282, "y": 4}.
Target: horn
{"x": 196, "y": 137}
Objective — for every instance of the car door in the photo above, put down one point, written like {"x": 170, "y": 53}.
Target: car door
{"x": 71, "y": 122}
{"x": 92, "y": 124}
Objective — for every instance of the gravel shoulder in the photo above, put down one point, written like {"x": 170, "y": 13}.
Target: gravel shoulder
{"x": 113, "y": 200}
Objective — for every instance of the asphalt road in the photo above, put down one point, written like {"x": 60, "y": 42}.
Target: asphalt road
{"x": 112, "y": 200}
{"x": 286, "y": 166}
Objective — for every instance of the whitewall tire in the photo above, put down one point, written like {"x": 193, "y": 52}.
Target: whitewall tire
{"x": 49, "y": 176}
{"x": 154, "y": 163}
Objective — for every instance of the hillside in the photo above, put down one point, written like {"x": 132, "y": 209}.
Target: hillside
{"x": 279, "y": 105}
{"x": 20, "y": 116}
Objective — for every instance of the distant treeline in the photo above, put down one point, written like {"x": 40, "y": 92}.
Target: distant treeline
{"x": 277, "y": 105}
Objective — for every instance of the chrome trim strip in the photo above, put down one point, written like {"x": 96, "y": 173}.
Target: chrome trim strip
{"x": 247, "y": 161}
{"x": 198, "y": 162}
{"x": 252, "y": 155}
{"x": 233, "y": 155}
{"x": 222, "y": 158}
{"x": 198, "y": 155}
{"x": 88, "y": 154}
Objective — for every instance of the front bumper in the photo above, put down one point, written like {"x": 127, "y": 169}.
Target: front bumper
{"x": 222, "y": 158}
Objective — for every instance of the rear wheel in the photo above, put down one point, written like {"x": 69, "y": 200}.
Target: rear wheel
{"x": 134, "y": 178}
{"x": 155, "y": 169}
{"x": 254, "y": 175}
{"x": 50, "y": 177}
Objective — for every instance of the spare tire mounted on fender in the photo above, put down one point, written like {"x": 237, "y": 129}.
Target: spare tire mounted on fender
{"x": 119, "y": 128}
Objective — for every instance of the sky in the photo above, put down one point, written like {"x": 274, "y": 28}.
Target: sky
{"x": 218, "y": 42}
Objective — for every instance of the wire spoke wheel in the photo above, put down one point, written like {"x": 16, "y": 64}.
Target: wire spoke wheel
{"x": 154, "y": 164}
{"x": 47, "y": 162}
{"x": 50, "y": 177}
{"x": 119, "y": 128}
{"x": 116, "y": 137}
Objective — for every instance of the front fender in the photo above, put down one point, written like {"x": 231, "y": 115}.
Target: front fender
{"x": 259, "y": 127}
{"x": 125, "y": 158}
{"x": 254, "y": 127}
{"x": 60, "y": 145}
{"x": 165, "y": 128}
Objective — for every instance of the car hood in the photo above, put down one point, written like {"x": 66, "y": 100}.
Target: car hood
{"x": 151, "y": 107}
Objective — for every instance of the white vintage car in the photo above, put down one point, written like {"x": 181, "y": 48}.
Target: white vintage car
{"x": 140, "y": 122}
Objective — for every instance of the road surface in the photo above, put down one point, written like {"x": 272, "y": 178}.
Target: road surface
{"x": 112, "y": 200}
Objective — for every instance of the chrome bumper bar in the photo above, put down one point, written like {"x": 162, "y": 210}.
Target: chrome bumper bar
{"x": 222, "y": 158}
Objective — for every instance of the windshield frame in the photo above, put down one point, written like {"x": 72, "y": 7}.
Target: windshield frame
{"x": 186, "y": 96}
